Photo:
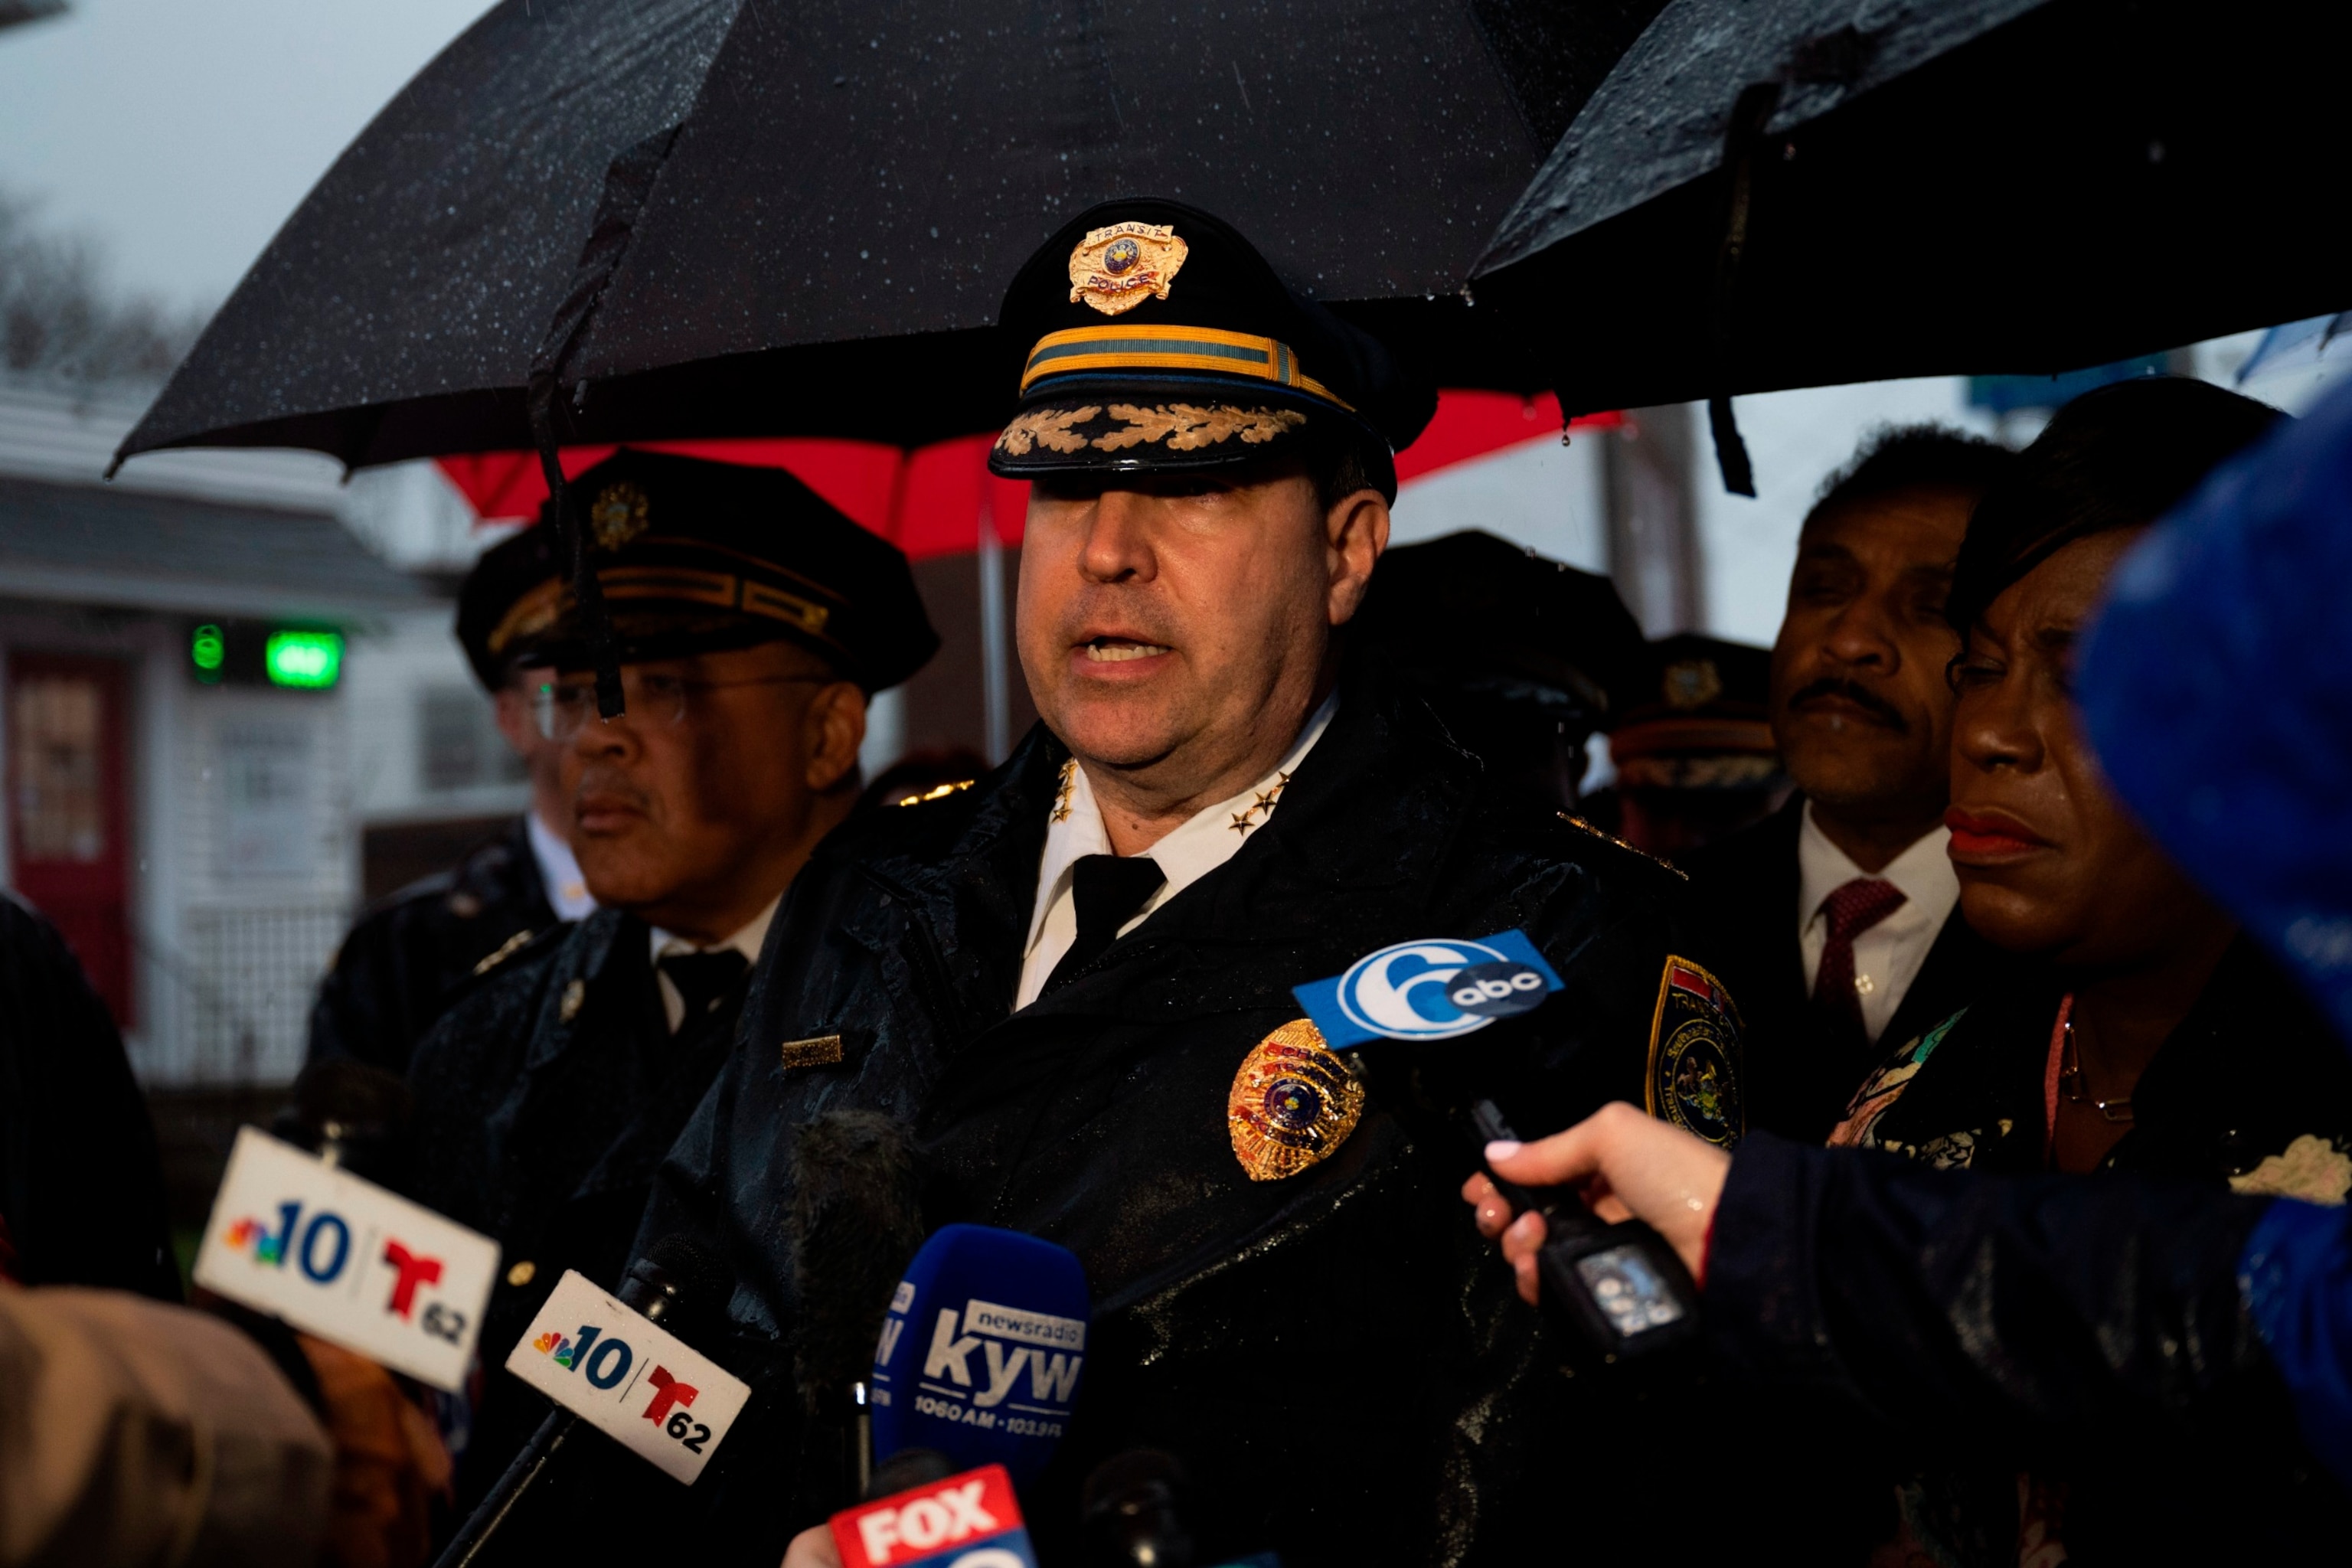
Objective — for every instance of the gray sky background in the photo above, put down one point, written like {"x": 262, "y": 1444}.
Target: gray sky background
{"x": 178, "y": 135}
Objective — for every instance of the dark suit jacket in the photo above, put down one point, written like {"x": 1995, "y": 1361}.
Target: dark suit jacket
{"x": 1798, "y": 1085}
{"x": 546, "y": 1095}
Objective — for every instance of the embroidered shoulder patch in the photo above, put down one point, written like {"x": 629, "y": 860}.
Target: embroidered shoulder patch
{"x": 1693, "y": 1077}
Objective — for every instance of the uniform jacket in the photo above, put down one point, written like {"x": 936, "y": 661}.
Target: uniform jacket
{"x": 2250, "y": 1093}
{"x": 81, "y": 1186}
{"x": 545, "y": 1099}
{"x": 402, "y": 964}
{"x": 1336, "y": 1356}
{"x": 1746, "y": 889}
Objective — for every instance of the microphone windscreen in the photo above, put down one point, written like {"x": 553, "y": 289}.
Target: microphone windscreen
{"x": 980, "y": 1350}
{"x": 683, "y": 1269}
{"x": 352, "y": 1093}
{"x": 856, "y": 1220}
{"x": 360, "y": 1111}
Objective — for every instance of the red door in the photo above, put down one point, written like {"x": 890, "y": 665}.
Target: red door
{"x": 67, "y": 849}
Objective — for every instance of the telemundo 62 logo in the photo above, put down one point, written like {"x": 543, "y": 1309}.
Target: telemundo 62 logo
{"x": 1433, "y": 988}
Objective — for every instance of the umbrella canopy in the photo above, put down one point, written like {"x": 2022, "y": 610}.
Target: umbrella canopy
{"x": 797, "y": 218}
{"x": 1818, "y": 192}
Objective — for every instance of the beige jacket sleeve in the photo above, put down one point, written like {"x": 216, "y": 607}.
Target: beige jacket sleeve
{"x": 132, "y": 1432}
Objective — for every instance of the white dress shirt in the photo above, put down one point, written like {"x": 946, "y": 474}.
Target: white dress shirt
{"x": 558, "y": 872}
{"x": 746, "y": 941}
{"x": 1196, "y": 847}
{"x": 1888, "y": 957}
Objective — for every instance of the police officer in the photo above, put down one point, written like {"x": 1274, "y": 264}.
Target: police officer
{"x": 754, "y": 621}
{"x": 1521, "y": 657}
{"x": 398, "y": 966}
{"x": 1073, "y": 982}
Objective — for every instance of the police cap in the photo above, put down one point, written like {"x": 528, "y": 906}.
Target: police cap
{"x": 696, "y": 556}
{"x": 1153, "y": 337}
{"x": 1703, "y": 720}
{"x": 501, "y": 577}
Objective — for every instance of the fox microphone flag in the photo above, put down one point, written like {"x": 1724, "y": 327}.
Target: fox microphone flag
{"x": 967, "y": 1521}
{"x": 980, "y": 1353}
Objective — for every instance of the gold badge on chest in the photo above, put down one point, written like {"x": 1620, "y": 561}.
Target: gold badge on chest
{"x": 1292, "y": 1104}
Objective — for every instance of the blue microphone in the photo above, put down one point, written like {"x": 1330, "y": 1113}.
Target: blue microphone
{"x": 981, "y": 1352}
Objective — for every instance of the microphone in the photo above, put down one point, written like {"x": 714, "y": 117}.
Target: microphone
{"x": 967, "y": 1520}
{"x": 980, "y": 1350}
{"x": 676, "y": 1277}
{"x": 1133, "y": 1513}
{"x": 353, "y": 1116}
{"x": 856, "y": 1220}
{"x": 1619, "y": 1290}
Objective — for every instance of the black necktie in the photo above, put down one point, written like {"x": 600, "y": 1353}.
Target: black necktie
{"x": 1107, "y": 890}
{"x": 703, "y": 978}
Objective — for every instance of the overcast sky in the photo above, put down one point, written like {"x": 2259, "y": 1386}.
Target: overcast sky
{"x": 180, "y": 133}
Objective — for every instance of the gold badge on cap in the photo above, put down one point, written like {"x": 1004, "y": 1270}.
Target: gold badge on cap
{"x": 1113, "y": 268}
{"x": 619, "y": 514}
{"x": 1292, "y": 1104}
{"x": 1693, "y": 683}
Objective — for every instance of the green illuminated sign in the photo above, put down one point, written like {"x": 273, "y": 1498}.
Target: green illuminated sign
{"x": 206, "y": 649}
{"x": 312, "y": 660}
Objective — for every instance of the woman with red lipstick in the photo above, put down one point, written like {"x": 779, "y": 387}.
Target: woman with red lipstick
{"x": 2155, "y": 1037}
{"x": 2152, "y": 1035}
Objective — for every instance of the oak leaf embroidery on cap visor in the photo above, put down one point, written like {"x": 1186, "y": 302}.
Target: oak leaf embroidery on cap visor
{"x": 1188, "y": 427}
{"x": 1049, "y": 429}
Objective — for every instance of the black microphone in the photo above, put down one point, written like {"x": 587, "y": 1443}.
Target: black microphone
{"x": 353, "y": 1116}
{"x": 679, "y": 1276}
{"x": 1619, "y": 1290}
{"x": 857, "y": 1220}
{"x": 1132, "y": 1512}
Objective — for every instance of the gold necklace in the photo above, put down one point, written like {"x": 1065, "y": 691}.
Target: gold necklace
{"x": 2069, "y": 1081}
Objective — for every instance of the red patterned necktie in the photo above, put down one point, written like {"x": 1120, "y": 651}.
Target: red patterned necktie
{"x": 1852, "y": 909}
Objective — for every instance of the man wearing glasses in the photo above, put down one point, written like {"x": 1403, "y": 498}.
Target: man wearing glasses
{"x": 754, "y": 621}
{"x": 403, "y": 962}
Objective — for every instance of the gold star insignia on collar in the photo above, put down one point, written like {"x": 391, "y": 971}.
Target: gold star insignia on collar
{"x": 1242, "y": 823}
{"x": 1061, "y": 795}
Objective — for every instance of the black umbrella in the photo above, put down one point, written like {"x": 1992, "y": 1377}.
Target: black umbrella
{"x": 804, "y": 213}
{"x": 1818, "y": 192}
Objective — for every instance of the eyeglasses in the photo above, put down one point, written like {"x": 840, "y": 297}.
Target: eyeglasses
{"x": 561, "y": 708}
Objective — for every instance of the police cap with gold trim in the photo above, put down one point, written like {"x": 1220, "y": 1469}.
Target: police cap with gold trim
{"x": 1153, "y": 337}
{"x": 695, "y": 556}
{"x": 501, "y": 576}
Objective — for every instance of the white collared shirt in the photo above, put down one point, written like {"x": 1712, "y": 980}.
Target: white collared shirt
{"x": 1888, "y": 957}
{"x": 558, "y": 872}
{"x": 746, "y": 941}
{"x": 1196, "y": 847}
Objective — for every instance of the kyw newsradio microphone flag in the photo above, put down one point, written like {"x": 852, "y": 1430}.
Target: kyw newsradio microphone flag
{"x": 981, "y": 1352}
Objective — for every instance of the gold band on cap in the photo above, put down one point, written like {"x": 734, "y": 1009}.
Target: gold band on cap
{"x": 540, "y": 608}
{"x": 1199, "y": 349}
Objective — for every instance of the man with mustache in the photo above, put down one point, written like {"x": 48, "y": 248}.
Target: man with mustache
{"x": 1075, "y": 984}
{"x": 754, "y": 620}
{"x": 1835, "y": 917}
